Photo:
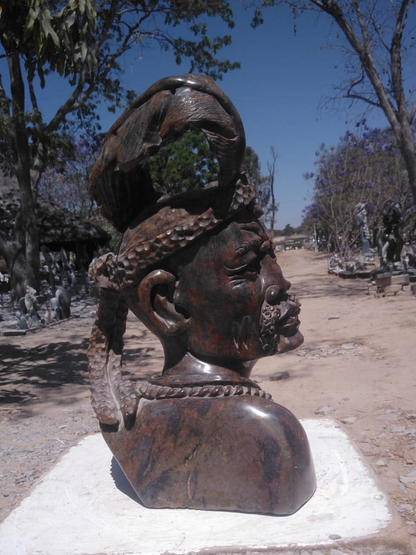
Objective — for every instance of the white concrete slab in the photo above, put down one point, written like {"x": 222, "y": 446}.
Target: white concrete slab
{"x": 77, "y": 509}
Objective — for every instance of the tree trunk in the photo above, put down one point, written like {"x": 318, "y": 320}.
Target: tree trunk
{"x": 392, "y": 100}
{"x": 29, "y": 233}
{"x": 272, "y": 169}
{"x": 26, "y": 229}
{"x": 18, "y": 279}
{"x": 407, "y": 148}
{"x": 16, "y": 264}
{"x": 273, "y": 216}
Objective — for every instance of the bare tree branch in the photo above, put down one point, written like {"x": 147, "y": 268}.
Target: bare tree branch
{"x": 271, "y": 167}
{"x": 357, "y": 96}
{"x": 396, "y": 59}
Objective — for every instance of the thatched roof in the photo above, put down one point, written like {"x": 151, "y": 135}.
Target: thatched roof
{"x": 57, "y": 227}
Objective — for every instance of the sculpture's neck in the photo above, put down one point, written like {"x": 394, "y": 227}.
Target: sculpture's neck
{"x": 190, "y": 370}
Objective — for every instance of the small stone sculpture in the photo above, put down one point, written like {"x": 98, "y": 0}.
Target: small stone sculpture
{"x": 60, "y": 304}
{"x": 199, "y": 270}
{"x": 361, "y": 218}
{"x": 389, "y": 239}
{"x": 53, "y": 269}
{"x": 29, "y": 316}
{"x": 409, "y": 256}
{"x": 68, "y": 275}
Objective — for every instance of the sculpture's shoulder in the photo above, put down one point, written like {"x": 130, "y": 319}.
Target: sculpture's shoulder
{"x": 231, "y": 453}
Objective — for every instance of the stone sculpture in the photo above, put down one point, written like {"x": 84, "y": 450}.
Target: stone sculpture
{"x": 361, "y": 219}
{"x": 29, "y": 316}
{"x": 68, "y": 276}
{"x": 389, "y": 239}
{"x": 199, "y": 270}
{"x": 409, "y": 256}
{"x": 60, "y": 304}
{"x": 53, "y": 269}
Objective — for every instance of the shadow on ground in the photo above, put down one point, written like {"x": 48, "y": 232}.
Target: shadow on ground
{"x": 26, "y": 374}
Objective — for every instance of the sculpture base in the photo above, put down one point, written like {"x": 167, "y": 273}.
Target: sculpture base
{"x": 241, "y": 453}
{"x": 85, "y": 505}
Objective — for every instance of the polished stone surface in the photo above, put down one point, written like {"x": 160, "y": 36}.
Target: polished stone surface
{"x": 198, "y": 268}
{"x": 86, "y": 506}
{"x": 238, "y": 454}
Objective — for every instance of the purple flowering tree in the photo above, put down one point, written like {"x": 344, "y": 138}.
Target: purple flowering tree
{"x": 364, "y": 169}
{"x": 66, "y": 182}
{"x": 377, "y": 42}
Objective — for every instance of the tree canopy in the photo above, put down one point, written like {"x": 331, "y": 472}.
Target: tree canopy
{"x": 66, "y": 181}
{"x": 376, "y": 40}
{"x": 185, "y": 164}
{"x": 81, "y": 41}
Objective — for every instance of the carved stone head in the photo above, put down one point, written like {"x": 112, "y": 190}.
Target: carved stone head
{"x": 223, "y": 299}
{"x": 199, "y": 270}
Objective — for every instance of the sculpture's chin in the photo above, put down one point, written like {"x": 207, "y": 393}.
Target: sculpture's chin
{"x": 283, "y": 343}
{"x": 286, "y": 343}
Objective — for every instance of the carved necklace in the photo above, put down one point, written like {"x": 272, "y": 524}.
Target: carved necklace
{"x": 153, "y": 392}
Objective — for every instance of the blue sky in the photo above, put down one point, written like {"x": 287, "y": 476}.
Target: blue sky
{"x": 279, "y": 92}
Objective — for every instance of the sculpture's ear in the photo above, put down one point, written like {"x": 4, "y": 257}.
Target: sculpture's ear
{"x": 156, "y": 292}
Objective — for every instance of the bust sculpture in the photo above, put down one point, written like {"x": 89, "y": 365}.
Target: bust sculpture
{"x": 199, "y": 270}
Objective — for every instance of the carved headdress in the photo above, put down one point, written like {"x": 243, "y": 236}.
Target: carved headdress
{"x": 155, "y": 225}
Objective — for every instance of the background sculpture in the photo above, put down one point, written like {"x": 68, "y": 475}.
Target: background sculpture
{"x": 199, "y": 270}
{"x": 389, "y": 239}
{"x": 361, "y": 219}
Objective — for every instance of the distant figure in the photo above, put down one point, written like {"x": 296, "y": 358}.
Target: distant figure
{"x": 389, "y": 240}
{"x": 361, "y": 219}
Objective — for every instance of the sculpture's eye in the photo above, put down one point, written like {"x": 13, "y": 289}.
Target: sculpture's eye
{"x": 244, "y": 248}
{"x": 252, "y": 269}
{"x": 244, "y": 273}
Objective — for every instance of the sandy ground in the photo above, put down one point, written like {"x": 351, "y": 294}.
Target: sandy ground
{"x": 357, "y": 366}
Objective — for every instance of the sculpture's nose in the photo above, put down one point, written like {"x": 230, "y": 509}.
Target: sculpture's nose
{"x": 275, "y": 293}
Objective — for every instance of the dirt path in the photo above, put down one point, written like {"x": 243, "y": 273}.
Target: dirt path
{"x": 357, "y": 366}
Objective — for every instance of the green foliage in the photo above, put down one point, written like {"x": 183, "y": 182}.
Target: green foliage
{"x": 288, "y": 230}
{"x": 184, "y": 165}
{"x": 82, "y": 41}
{"x": 115, "y": 236}
{"x": 189, "y": 164}
{"x": 252, "y": 167}
{"x": 51, "y": 36}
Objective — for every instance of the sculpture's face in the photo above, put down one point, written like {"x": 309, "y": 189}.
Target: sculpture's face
{"x": 235, "y": 297}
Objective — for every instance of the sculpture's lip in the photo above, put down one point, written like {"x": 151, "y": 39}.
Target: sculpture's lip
{"x": 290, "y": 326}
